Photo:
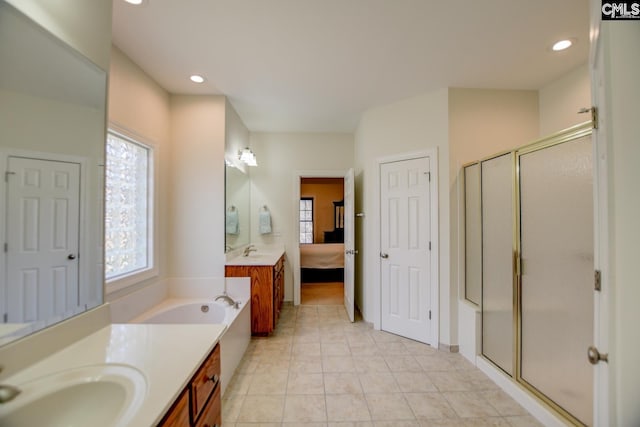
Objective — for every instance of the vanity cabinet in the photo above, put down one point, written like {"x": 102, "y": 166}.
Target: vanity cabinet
{"x": 267, "y": 293}
{"x": 199, "y": 404}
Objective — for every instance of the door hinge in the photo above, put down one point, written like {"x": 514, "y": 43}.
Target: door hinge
{"x": 429, "y": 245}
{"x": 6, "y": 318}
{"x": 597, "y": 280}
{"x": 428, "y": 175}
{"x": 594, "y": 115}
{"x": 6, "y": 247}
{"x": 429, "y": 314}
{"x": 6, "y": 175}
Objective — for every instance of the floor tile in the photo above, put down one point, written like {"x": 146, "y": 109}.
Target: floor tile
{"x": 389, "y": 406}
{"x": 305, "y": 408}
{"x": 320, "y": 370}
{"x": 347, "y": 407}
{"x": 300, "y": 383}
{"x": 429, "y": 405}
{"x": 469, "y": 404}
{"x": 261, "y": 409}
{"x": 342, "y": 383}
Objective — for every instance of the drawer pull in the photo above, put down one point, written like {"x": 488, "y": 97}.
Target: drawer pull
{"x": 214, "y": 378}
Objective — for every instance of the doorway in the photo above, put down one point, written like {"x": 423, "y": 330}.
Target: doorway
{"x": 321, "y": 220}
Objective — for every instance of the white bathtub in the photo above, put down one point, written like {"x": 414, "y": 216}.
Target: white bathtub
{"x": 234, "y": 340}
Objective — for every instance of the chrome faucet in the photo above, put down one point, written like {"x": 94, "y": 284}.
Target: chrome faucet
{"x": 248, "y": 250}
{"x": 8, "y": 392}
{"x": 228, "y": 300}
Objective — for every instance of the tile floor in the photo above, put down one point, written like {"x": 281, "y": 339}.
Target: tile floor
{"x": 318, "y": 369}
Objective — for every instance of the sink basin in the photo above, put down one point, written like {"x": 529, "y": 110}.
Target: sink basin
{"x": 97, "y": 395}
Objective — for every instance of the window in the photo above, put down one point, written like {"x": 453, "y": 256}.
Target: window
{"x": 306, "y": 220}
{"x": 128, "y": 207}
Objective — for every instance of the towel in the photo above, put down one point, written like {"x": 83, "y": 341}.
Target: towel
{"x": 265, "y": 222}
{"x": 232, "y": 221}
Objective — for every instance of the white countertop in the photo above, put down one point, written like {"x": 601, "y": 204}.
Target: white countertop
{"x": 167, "y": 355}
{"x": 263, "y": 256}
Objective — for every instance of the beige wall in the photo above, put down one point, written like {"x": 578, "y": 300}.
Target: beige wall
{"x": 412, "y": 125}
{"x": 84, "y": 25}
{"x": 279, "y": 156}
{"x": 482, "y": 122}
{"x": 324, "y": 192}
{"x": 140, "y": 107}
{"x": 197, "y": 186}
{"x": 561, "y": 99}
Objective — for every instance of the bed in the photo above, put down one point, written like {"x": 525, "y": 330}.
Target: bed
{"x": 322, "y": 262}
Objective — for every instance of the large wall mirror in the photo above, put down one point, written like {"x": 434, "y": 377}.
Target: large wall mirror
{"x": 237, "y": 205}
{"x": 52, "y": 135}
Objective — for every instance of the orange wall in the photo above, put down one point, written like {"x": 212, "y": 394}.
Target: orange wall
{"x": 324, "y": 191}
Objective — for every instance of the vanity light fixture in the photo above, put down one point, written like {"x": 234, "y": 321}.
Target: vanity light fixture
{"x": 197, "y": 78}
{"x": 247, "y": 157}
{"x": 135, "y": 2}
{"x": 562, "y": 45}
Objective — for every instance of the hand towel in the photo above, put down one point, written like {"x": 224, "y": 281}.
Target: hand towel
{"x": 265, "y": 221}
{"x": 232, "y": 221}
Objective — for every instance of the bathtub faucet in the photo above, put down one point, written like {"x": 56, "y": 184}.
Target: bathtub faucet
{"x": 229, "y": 300}
{"x": 248, "y": 250}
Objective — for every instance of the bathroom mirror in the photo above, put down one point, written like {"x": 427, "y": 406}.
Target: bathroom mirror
{"x": 52, "y": 136}
{"x": 237, "y": 205}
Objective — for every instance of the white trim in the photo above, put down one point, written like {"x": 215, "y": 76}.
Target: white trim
{"x": 295, "y": 256}
{"x": 432, "y": 155}
{"x": 518, "y": 393}
{"x": 601, "y": 381}
{"x": 152, "y": 271}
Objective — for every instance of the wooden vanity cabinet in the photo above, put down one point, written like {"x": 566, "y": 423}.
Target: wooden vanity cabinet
{"x": 199, "y": 404}
{"x": 267, "y": 293}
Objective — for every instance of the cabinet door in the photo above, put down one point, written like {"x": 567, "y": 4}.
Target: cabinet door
{"x": 212, "y": 413}
{"x": 178, "y": 415}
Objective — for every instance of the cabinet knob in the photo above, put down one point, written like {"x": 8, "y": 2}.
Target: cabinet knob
{"x": 214, "y": 378}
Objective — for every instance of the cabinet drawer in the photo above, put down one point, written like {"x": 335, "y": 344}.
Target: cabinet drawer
{"x": 279, "y": 265}
{"x": 211, "y": 414}
{"x": 178, "y": 415}
{"x": 205, "y": 381}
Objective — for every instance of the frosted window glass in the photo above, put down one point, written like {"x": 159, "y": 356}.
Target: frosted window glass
{"x": 497, "y": 268}
{"x": 306, "y": 220}
{"x": 473, "y": 234}
{"x": 557, "y": 281}
{"x": 126, "y": 207}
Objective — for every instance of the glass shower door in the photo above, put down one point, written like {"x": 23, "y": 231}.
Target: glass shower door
{"x": 556, "y": 234}
{"x": 497, "y": 181}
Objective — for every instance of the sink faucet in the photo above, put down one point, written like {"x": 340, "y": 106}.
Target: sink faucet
{"x": 248, "y": 250}
{"x": 8, "y": 392}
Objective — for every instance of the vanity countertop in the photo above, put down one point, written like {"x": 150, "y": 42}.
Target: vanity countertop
{"x": 262, "y": 256}
{"x": 167, "y": 355}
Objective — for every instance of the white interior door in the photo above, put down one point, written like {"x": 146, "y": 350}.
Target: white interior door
{"x": 405, "y": 245}
{"x": 349, "y": 246}
{"x": 43, "y": 209}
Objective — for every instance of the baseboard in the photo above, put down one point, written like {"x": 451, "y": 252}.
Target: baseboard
{"x": 450, "y": 348}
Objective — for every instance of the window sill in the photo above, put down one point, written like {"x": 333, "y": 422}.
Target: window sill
{"x": 117, "y": 284}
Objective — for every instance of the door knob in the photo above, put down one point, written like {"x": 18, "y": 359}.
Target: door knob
{"x": 71, "y": 256}
{"x": 383, "y": 255}
{"x": 595, "y": 356}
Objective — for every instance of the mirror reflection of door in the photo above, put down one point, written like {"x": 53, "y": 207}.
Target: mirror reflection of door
{"x": 43, "y": 217}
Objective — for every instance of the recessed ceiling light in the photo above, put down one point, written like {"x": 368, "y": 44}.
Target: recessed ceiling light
{"x": 135, "y": 2}
{"x": 196, "y": 78}
{"x": 562, "y": 45}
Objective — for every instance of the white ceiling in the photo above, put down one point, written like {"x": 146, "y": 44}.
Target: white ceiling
{"x": 316, "y": 65}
